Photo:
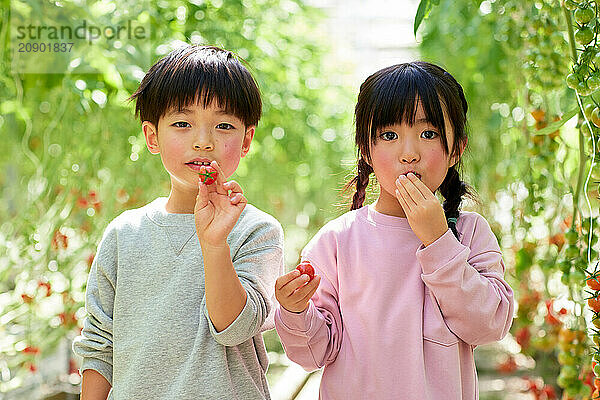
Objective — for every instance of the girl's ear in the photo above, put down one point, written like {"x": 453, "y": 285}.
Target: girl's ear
{"x": 365, "y": 159}
{"x": 248, "y": 136}
{"x": 151, "y": 135}
{"x": 461, "y": 149}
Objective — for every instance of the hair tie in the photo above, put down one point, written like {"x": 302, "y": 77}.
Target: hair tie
{"x": 452, "y": 220}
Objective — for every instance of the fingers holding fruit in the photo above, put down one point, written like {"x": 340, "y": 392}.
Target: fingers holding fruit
{"x": 306, "y": 268}
{"x": 220, "y": 178}
{"x": 235, "y": 192}
{"x": 294, "y": 289}
{"x": 207, "y": 174}
{"x": 219, "y": 204}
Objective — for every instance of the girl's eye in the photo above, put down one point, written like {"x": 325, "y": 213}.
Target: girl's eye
{"x": 225, "y": 125}
{"x": 389, "y": 135}
{"x": 429, "y": 134}
{"x": 181, "y": 124}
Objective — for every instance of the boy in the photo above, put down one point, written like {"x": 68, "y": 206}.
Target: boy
{"x": 181, "y": 289}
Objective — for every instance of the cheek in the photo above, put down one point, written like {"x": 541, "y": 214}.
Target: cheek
{"x": 437, "y": 160}
{"x": 381, "y": 158}
{"x": 229, "y": 149}
{"x": 230, "y": 155}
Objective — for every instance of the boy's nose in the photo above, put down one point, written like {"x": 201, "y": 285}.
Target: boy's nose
{"x": 203, "y": 146}
{"x": 203, "y": 141}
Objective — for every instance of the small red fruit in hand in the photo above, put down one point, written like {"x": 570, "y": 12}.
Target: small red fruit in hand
{"x": 306, "y": 268}
{"x": 208, "y": 174}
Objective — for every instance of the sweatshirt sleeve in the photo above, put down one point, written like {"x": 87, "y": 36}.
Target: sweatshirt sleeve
{"x": 95, "y": 343}
{"x": 467, "y": 281}
{"x": 258, "y": 263}
{"x": 313, "y": 337}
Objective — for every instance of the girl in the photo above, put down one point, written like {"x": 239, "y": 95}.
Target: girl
{"x": 405, "y": 287}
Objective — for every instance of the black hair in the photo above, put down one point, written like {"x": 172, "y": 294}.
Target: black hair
{"x": 390, "y": 96}
{"x": 192, "y": 74}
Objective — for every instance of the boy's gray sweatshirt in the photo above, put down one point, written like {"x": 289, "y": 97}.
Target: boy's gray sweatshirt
{"x": 148, "y": 331}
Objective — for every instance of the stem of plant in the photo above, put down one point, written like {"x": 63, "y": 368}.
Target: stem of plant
{"x": 582, "y": 158}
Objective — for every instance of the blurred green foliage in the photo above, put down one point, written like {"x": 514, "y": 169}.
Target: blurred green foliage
{"x": 72, "y": 155}
{"x": 512, "y": 58}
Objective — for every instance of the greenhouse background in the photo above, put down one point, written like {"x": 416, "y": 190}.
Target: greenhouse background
{"x": 73, "y": 157}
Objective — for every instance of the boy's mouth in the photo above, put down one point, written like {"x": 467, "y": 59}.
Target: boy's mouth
{"x": 197, "y": 163}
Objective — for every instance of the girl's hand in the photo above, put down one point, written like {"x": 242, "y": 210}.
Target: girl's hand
{"x": 218, "y": 207}
{"x": 424, "y": 212}
{"x": 293, "y": 292}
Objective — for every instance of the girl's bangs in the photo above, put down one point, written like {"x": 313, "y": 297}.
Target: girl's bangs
{"x": 396, "y": 98}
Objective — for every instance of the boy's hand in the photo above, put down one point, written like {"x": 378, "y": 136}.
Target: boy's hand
{"x": 218, "y": 207}
{"x": 423, "y": 210}
{"x": 293, "y": 292}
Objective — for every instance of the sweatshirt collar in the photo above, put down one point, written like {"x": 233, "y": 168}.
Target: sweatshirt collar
{"x": 179, "y": 229}
{"x": 378, "y": 219}
{"x": 158, "y": 214}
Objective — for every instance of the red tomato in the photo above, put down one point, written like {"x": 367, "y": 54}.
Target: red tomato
{"x": 207, "y": 174}
{"x": 31, "y": 350}
{"x": 594, "y": 303}
{"x": 306, "y": 268}
{"x": 26, "y": 298}
{"x": 549, "y": 392}
{"x": 593, "y": 283}
{"x": 523, "y": 336}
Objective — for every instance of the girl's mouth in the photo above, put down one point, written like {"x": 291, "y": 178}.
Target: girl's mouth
{"x": 416, "y": 174}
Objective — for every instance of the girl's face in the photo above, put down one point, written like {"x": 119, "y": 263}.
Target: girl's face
{"x": 401, "y": 148}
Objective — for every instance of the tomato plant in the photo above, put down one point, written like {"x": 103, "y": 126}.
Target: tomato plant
{"x": 530, "y": 72}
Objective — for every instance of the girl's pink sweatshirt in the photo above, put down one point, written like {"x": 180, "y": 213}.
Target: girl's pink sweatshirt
{"x": 393, "y": 319}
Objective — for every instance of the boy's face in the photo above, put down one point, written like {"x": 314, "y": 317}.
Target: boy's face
{"x": 197, "y": 134}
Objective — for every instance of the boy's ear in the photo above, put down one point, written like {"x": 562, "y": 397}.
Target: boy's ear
{"x": 151, "y": 135}
{"x": 248, "y": 136}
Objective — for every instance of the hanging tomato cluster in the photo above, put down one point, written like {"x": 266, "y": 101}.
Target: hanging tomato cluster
{"x": 575, "y": 380}
{"x": 585, "y": 78}
{"x": 579, "y": 252}
{"x": 543, "y": 42}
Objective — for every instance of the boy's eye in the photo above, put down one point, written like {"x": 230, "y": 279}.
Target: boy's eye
{"x": 225, "y": 125}
{"x": 181, "y": 124}
{"x": 429, "y": 134}
{"x": 389, "y": 135}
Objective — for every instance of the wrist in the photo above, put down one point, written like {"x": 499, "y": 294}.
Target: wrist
{"x": 435, "y": 237}
{"x": 216, "y": 247}
{"x": 295, "y": 310}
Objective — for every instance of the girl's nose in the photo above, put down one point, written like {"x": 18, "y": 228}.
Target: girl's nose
{"x": 409, "y": 155}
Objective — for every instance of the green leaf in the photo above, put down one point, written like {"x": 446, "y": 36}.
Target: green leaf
{"x": 555, "y": 125}
{"x": 423, "y": 11}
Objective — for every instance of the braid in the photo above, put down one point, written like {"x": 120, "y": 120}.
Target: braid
{"x": 362, "y": 181}
{"x": 453, "y": 189}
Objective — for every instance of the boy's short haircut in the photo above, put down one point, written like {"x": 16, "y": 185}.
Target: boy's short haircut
{"x": 198, "y": 74}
